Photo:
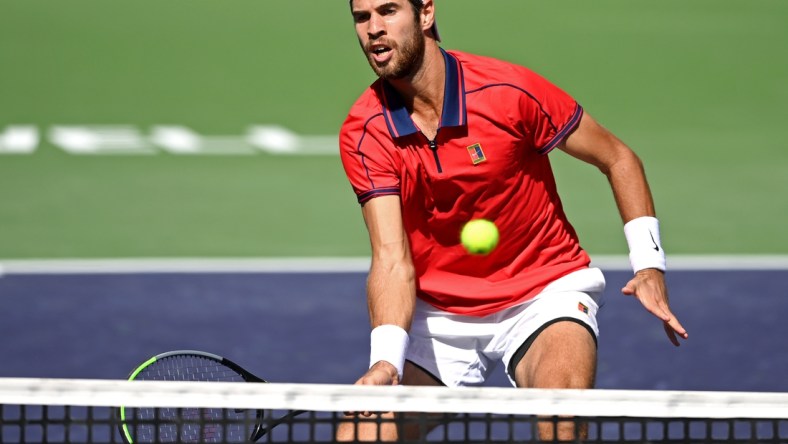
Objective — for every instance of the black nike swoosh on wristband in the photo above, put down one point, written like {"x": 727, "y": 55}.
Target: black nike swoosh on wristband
{"x": 656, "y": 247}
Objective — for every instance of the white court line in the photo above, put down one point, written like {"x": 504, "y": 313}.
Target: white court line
{"x": 184, "y": 265}
{"x": 334, "y": 264}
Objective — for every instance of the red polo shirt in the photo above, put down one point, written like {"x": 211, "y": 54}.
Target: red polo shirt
{"x": 489, "y": 161}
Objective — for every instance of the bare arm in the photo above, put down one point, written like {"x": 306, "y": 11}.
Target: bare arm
{"x": 592, "y": 143}
{"x": 391, "y": 285}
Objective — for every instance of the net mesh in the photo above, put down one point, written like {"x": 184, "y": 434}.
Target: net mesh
{"x": 89, "y": 411}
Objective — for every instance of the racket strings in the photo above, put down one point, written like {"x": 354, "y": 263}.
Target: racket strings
{"x": 191, "y": 424}
{"x": 189, "y": 368}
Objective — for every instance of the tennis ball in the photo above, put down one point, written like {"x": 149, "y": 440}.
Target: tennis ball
{"x": 479, "y": 236}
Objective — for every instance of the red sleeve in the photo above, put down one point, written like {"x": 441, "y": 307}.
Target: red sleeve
{"x": 549, "y": 114}
{"x": 368, "y": 163}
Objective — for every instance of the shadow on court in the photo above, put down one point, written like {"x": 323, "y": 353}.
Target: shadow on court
{"x": 313, "y": 327}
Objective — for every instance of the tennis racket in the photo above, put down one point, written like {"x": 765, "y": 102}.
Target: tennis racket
{"x": 140, "y": 424}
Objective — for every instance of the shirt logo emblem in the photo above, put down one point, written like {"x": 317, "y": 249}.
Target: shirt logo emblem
{"x": 582, "y": 307}
{"x": 477, "y": 154}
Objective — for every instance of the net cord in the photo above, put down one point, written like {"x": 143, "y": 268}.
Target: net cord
{"x": 340, "y": 398}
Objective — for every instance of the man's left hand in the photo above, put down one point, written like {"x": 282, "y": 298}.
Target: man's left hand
{"x": 648, "y": 286}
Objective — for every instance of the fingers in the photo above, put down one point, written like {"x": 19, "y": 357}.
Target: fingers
{"x": 652, "y": 294}
{"x": 671, "y": 324}
{"x": 382, "y": 373}
{"x": 629, "y": 289}
{"x": 674, "y": 329}
{"x": 659, "y": 309}
{"x": 647, "y": 297}
{"x": 671, "y": 334}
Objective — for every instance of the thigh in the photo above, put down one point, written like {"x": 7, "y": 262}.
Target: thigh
{"x": 563, "y": 355}
{"x": 418, "y": 425}
{"x": 557, "y": 322}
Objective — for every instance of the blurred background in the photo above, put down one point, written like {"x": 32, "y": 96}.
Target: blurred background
{"x": 207, "y": 129}
{"x": 203, "y": 128}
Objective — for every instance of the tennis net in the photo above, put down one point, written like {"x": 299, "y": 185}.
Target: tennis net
{"x": 104, "y": 411}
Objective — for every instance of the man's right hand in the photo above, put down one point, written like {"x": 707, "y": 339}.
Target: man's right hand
{"x": 381, "y": 373}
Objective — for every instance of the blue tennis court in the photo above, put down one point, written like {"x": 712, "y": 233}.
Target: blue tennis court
{"x": 312, "y": 327}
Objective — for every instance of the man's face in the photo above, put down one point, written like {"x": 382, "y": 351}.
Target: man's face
{"x": 390, "y": 35}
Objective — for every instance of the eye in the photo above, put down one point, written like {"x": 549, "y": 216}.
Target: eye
{"x": 360, "y": 17}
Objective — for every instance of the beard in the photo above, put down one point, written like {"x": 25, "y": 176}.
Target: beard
{"x": 407, "y": 60}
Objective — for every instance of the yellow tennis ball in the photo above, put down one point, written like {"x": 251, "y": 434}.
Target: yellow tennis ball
{"x": 479, "y": 236}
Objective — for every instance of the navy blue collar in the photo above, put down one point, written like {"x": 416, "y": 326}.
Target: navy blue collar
{"x": 454, "y": 113}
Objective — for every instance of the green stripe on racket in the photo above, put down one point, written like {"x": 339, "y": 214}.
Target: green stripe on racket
{"x": 147, "y": 425}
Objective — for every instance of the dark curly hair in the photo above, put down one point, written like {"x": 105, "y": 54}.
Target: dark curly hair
{"x": 417, "y": 4}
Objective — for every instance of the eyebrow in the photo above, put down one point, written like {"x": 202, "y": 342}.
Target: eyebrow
{"x": 384, "y": 5}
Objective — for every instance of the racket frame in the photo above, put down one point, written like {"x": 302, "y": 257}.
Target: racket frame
{"x": 259, "y": 429}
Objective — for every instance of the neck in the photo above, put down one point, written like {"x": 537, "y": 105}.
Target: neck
{"x": 422, "y": 92}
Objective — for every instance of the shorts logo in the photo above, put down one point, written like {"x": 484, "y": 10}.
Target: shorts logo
{"x": 477, "y": 155}
{"x": 582, "y": 307}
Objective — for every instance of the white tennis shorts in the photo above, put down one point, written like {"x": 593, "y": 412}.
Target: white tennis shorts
{"x": 463, "y": 350}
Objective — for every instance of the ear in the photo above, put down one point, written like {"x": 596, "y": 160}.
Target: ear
{"x": 427, "y": 14}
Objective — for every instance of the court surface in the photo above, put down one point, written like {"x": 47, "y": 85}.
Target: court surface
{"x": 312, "y": 327}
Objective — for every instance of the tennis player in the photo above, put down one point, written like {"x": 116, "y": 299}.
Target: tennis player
{"x": 443, "y": 137}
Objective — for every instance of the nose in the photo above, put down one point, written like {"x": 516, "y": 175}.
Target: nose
{"x": 376, "y": 26}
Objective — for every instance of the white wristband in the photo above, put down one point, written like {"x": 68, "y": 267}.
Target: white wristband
{"x": 388, "y": 343}
{"x": 645, "y": 249}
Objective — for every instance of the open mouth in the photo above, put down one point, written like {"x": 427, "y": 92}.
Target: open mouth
{"x": 380, "y": 52}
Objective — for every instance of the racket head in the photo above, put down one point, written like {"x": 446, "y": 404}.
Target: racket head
{"x": 141, "y": 424}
